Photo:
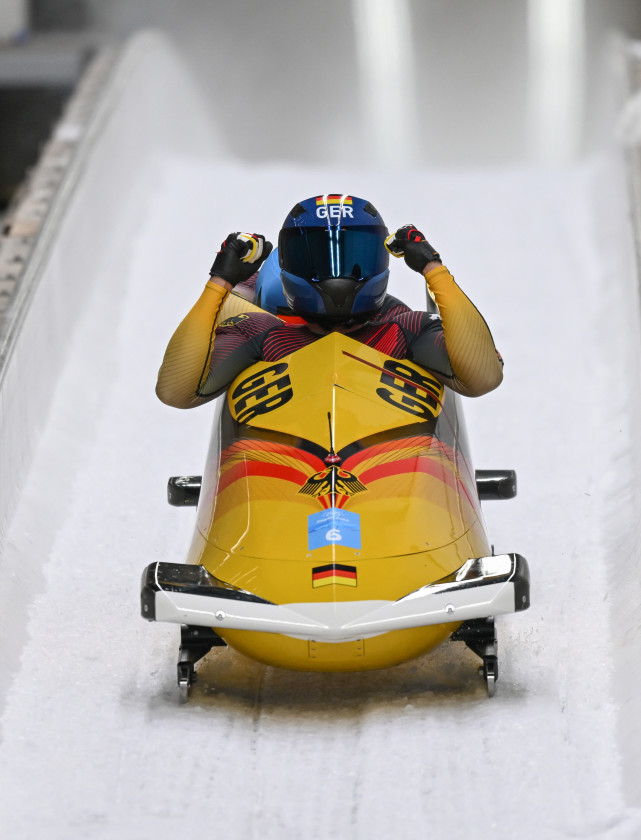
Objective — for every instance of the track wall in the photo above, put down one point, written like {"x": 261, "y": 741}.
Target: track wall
{"x": 136, "y": 104}
{"x": 622, "y": 520}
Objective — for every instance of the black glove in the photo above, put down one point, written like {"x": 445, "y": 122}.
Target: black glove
{"x": 410, "y": 243}
{"x": 240, "y": 256}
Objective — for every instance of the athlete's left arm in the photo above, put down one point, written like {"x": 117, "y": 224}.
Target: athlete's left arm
{"x": 476, "y": 365}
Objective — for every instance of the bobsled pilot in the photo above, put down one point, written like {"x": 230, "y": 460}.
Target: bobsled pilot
{"x": 333, "y": 255}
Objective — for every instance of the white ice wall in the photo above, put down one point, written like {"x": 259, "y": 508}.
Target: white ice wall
{"x": 147, "y": 107}
{"x": 622, "y": 515}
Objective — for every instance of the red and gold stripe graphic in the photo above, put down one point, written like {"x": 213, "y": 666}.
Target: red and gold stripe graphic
{"x": 415, "y": 455}
{"x": 421, "y": 454}
{"x": 263, "y": 458}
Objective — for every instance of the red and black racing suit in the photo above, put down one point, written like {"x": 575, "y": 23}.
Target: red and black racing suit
{"x": 209, "y": 350}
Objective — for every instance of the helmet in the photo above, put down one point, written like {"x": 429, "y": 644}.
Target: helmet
{"x": 334, "y": 265}
{"x": 269, "y": 289}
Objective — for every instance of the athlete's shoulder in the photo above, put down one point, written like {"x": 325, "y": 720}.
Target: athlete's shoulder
{"x": 390, "y": 309}
{"x": 416, "y": 322}
{"x": 250, "y": 322}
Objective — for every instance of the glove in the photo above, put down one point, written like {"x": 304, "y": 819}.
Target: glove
{"x": 240, "y": 256}
{"x": 410, "y": 243}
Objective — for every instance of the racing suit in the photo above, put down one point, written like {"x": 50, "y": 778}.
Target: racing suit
{"x": 222, "y": 335}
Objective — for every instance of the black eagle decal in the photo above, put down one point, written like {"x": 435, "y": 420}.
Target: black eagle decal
{"x": 332, "y": 480}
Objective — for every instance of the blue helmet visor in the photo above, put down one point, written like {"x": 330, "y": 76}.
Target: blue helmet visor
{"x": 319, "y": 253}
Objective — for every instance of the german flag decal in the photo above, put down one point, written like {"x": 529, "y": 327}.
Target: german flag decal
{"x": 334, "y": 573}
{"x": 333, "y": 199}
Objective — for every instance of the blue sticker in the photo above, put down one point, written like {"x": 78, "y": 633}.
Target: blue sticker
{"x": 334, "y": 527}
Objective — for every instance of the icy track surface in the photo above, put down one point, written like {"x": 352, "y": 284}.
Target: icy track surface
{"x": 95, "y": 744}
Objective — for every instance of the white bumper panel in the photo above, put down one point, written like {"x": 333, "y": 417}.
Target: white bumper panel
{"x": 482, "y": 587}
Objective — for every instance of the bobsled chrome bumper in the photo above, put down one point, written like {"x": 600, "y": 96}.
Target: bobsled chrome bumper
{"x": 482, "y": 587}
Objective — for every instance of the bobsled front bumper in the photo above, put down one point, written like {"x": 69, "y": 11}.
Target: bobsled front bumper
{"x": 482, "y": 587}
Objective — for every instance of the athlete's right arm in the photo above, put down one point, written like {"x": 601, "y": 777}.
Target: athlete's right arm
{"x": 185, "y": 367}
{"x": 185, "y": 378}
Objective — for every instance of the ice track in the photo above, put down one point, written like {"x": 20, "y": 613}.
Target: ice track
{"x": 94, "y": 742}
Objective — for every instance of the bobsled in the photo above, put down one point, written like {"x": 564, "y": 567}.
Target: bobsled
{"x": 339, "y": 523}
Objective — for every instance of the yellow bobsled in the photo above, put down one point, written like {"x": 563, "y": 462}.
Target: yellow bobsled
{"x": 339, "y": 525}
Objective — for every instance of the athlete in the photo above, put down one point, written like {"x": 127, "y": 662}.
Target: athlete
{"x": 333, "y": 254}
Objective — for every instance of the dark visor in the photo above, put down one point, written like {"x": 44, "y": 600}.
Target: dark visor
{"x": 318, "y": 253}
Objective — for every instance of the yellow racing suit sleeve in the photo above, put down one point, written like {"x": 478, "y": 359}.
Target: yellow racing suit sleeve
{"x": 186, "y": 363}
{"x": 236, "y": 305}
{"x": 475, "y": 362}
